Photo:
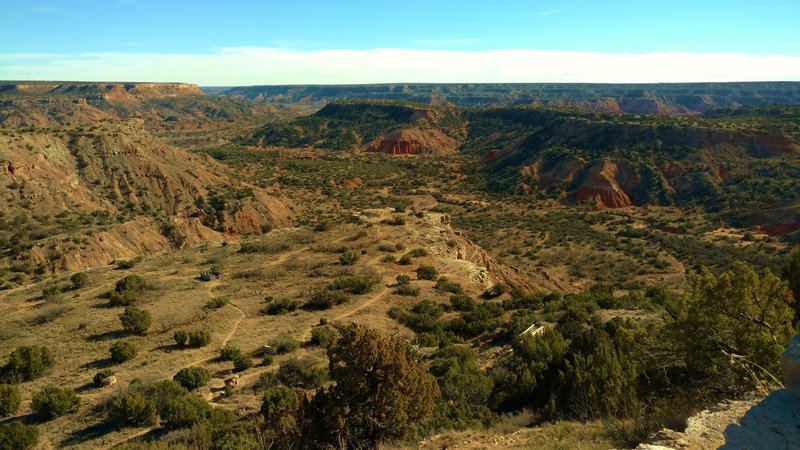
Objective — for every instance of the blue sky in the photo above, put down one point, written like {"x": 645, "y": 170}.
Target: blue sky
{"x": 244, "y": 42}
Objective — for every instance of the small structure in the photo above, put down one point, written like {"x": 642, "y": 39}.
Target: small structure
{"x": 108, "y": 381}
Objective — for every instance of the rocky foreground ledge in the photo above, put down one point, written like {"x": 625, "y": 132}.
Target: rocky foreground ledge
{"x": 771, "y": 422}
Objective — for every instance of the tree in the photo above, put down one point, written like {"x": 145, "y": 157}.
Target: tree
{"x": 135, "y": 320}
{"x": 192, "y": 377}
{"x": 185, "y": 411}
{"x": 79, "y": 280}
{"x": 736, "y": 326}
{"x": 122, "y": 351}
{"x": 381, "y": 392}
{"x": 791, "y": 273}
{"x": 9, "y": 399}
{"x": 464, "y": 388}
{"x": 54, "y": 401}
{"x": 18, "y": 436}
{"x": 132, "y": 408}
{"x": 27, "y": 363}
{"x": 283, "y": 410}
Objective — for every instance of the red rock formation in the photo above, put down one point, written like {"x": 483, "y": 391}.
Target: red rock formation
{"x": 395, "y": 147}
{"x": 352, "y": 183}
{"x": 600, "y": 185}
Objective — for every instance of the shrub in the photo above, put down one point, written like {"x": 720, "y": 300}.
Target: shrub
{"x": 418, "y": 252}
{"x": 54, "y": 401}
{"x": 285, "y": 344}
{"x": 135, "y": 320}
{"x": 181, "y": 337}
{"x": 132, "y": 408}
{"x": 322, "y": 336}
{"x": 131, "y": 283}
{"x": 443, "y": 284}
{"x": 192, "y": 377}
{"x": 389, "y": 259}
{"x": 281, "y": 306}
{"x": 27, "y": 363}
{"x": 389, "y": 248}
{"x": 9, "y": 399}
{"x": 267, "y": 360}
{"x": 403, "y": 279}
{"x": 199, "y": 338}
{"x": 100, "y": 376}
{"x": 229, "y": 353}
{"x": 294, "y": 373}
{"x": 325, "y": 298}
{"x": 185, "y": 411}
{"x": 407, "y": 290}
{"x": 18, "y": 436}
{"x": 122, "y": 351}
{"x": 266, "y": 380}
{"x": 323, "y": 225}
{"x": 427, "y": 273}
{"x": 125, "y": 264}
{"x": 356, "y": 284}
{"x": 242, "y": 362}
{"x": 217, "y": 302}
{"x": 405, "y": 260}
{"x": 348, "y": 258}
{"x": 463, "y": 302}
{"x": 79, "y": 280}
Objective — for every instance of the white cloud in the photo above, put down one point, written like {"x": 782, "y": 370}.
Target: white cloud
{"x": 247, "y": 65}
{"x": 444, "y": 42}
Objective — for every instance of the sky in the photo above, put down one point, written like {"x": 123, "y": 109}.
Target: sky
{"x": 248, "y": 42}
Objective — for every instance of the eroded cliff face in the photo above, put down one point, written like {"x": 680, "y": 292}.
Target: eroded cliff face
{"x": 160, "y": 197}
{"x": 615, "y": 165}
{"x": 414, "y": 141}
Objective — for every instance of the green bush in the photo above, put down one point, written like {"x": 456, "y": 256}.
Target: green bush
{"x": 18, "y": 436}
{"x": 356, "y": 284}
{"x": 281, "y": 306}
{"x": 285, "y": 343}
{"x": 185, "y": 411}
{"x": 443, "y": 284}
{"x": 217, "y": 302}
{"x": 407, "y": 290}
{"x": 325, "y": 298}
{"x": 122, "y": 351}
{"x": 100, "y": 376}
{"x": 10, "y": 399}
{"x": 229, "y": 353}
{"x": 405, "y": 260}
{"x": 181, "y": 338}
{"x": 135, "y": 320}
{"x": 495, "y": 291}
{"x": 199, "y": 338}
{"x": 322, "y": 336}
{"x": 403, "y": 279}
{"x": 294, "y": 373}
{"x": 242, "y": 362}
{"x": 132, "y": 408}
{"x": 348, "y": 258}
{"x": 54, "y": 401}
{"x": 79, "y": 280}
{"x": 27, "y": 363}
{"x": 418, "y": 252}
{"x": 192, "y": 377}
{"x": 427, "y": 273}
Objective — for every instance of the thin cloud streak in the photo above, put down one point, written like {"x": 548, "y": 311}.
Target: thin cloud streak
{"x": 249, "y": 65}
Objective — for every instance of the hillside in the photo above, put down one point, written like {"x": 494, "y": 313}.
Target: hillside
{"x": 372, "y": 126}
{"x": 115, "y": 178}
{"x": 163, "y": 106}
{"x": 660, "y": 99}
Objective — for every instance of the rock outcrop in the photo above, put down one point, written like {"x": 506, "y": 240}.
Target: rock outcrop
{"x": 413, "y": 141}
